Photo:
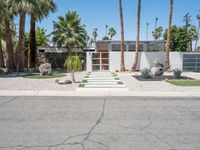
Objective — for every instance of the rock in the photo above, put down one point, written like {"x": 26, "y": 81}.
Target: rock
{"x": 45, "y": 69}
{"x": 157, "y": 69}
{"x": 64, "y": 80}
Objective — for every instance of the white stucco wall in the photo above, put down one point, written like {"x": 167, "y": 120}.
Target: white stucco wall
{"x": 89, "y": 61}
{"x": 146, "y": 60}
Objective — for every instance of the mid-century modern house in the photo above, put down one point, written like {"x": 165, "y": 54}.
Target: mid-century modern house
{"x": 105, "y": 56}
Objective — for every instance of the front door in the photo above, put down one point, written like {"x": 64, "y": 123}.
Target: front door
{"x": 100, "y": 61}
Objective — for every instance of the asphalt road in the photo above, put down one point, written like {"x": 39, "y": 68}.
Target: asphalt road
{"x": 78, "y": 123}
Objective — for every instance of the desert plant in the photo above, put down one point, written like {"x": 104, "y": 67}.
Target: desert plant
{"x": 146, "y": 73}
{"x": 3, "y": 71}
{"x": 177, "y": 73}
{"x": 73, "y": 64}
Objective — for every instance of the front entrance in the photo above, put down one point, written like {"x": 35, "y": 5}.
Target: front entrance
{"x": 100, "y": 61}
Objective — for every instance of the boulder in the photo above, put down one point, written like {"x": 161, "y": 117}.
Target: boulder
{"x": 157, "y": 69}
{"x": 64, "y": 80}
{"x": 45, "y": 69}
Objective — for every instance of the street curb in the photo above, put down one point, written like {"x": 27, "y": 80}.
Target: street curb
{"x": 101, "y": 94}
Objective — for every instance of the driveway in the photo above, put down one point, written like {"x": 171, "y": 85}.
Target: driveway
{"x": 104, "y": 123}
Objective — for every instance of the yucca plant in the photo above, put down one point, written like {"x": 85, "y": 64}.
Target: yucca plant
{"x": 73, "y": 64}
{"x": 177, "y": 73}
{"x": 146, "y": 73}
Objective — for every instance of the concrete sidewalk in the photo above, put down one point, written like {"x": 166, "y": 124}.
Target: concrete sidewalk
{"x": 101, "y": 94}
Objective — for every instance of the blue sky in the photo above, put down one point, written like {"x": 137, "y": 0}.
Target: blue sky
{"x": 97, "y": 13}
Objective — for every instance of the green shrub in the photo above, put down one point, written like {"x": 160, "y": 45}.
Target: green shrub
{"x": 73, "y": 64}
{"x": 3, "y": 71}
{"x": 177, "y": 73}
{"x": 146, "y": 73}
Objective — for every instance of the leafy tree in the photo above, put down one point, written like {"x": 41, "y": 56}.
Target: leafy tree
{"x": 69, "y": 31}
{"x": 193, "y": 35}
{"x": 41, "y": 37}
{"x": 105, "y": 38}
{"x": 112, "y": 32}
{"x": 157, "y": 33}
{"x": 179, "y": 39}
{"x": 73, "y": 64}
{"x": 198, "y": 30}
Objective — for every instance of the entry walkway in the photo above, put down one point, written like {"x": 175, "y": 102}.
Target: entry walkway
{"x": 102, "y": 81}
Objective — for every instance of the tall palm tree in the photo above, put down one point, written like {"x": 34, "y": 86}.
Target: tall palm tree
{"x": 112, "y": 32}
{"x": 122, "y": 65}
{"x": 69, "y": 32}
{"x": 198, "y": 18}
{"x": 40, "y": 9}
{"x": 95, "y": 34}
{"x": 167, "y": 63}
{"x": 2, "y": 64}
{"x": 138, "y": 37}
{"x": 6, "y": 13}
{"x": 21, "y": 7}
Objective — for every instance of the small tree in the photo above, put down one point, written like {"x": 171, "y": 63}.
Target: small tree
{"x": 73, "y": 64}
{"x": 157, "y": 33}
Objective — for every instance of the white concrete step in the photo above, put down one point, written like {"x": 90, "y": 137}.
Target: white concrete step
{"x": 101, "y": 83}
{"x": 99, "y": 78}
{"x": 105, "y": 86}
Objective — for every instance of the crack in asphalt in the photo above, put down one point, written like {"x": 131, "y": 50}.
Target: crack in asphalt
{"x": 192, "y": 113}
{"x": 9, "y": 101}
{"x": 149, "y": 123}
{"x": 66, "y": 141}
{"x": 163, "y": 140}
{"x": 88, "y": 134}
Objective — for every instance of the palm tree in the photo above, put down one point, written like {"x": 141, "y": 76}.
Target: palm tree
{"x": 122, "y": 65}
{"x": 167, "y": 63}
{"x": 138, "y": 37}
{"x": 6, "y": 13}
{"x": 95, "y": 34}
{"x": 69, "y": 31}
{"x": 39, "y": 10}
{"x": 112, "y": 32}
{"x": 2, "y": 64}
{"x": 21, "y": 7}
{"x": 147, "y": 31}
{"x": 156, "y": 23}
{"x": 198, "y": 18}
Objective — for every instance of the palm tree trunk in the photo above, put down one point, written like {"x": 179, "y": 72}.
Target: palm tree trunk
{"x": 134, "y": 67}
{"x": 167, "y": 63}
{"x": 2, "y": 65}
{"x": 20, "y": 51}
{"x": 198, "y": 37}
{"x": 73, "y": 76}
{"x": 32, "y": 43}
{"x": 122, "y": 66}
{"x": 10, "y": 63}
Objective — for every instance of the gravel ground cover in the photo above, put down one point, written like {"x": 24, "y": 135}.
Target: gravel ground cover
{"x": 157, "y": 86}
{"x": 14, "y": 82}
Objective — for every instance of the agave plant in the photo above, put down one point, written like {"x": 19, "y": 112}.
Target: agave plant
{"x": 177, "y": 73}
{"x": 146, "y": 73}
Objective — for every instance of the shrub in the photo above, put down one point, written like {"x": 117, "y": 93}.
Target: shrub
{"x": 3, "y": 71}
{"x": 146, "y": 73}
{"x": 177, "y": 73}
{"x": 73, "y": 64}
